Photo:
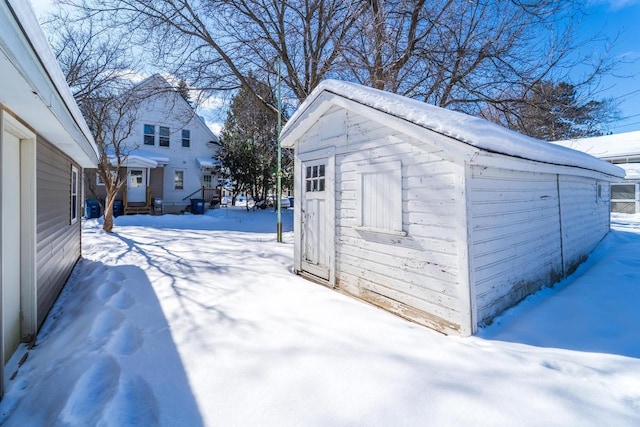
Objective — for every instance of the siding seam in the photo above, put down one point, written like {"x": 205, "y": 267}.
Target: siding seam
{"x": 561, "y": 225}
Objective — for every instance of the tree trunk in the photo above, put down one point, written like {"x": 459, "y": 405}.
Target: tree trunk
{"x": 108, "y": 213}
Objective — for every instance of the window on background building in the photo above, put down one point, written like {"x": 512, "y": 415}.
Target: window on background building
{"x": 149, "y": 135}
{"x": 163, "y": 141}
{"x": 186, "y": 138}
{"x": 99, "y": 180}
{"x": 623, "y": 198}
{"x": 74, "y": 194}
{"x": 207, "y": 181}
{"x": 381, "y": 196}
{"x": 178, "y": 180}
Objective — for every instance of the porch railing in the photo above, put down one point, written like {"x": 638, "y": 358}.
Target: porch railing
{"x": 206, "y": 194}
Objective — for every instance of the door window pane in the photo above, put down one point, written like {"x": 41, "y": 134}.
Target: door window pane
{"x": 136, "y": 179}
{"x": 314, "y": 178}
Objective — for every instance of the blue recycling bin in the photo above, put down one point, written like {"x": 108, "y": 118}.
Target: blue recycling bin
{"x": 91, "y": 209}
{"x": 118, "y": 208}
{"x": 290, "y": 202}
{"x": 197, "y": 206}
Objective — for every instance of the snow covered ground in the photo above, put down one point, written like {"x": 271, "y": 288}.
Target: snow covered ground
{"x": 197, "y": 320}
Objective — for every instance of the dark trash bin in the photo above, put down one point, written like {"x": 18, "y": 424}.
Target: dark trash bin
{"x": 197, "y": 206}
{"x": 91, "y": 208}
{"x": 118, "y": 208}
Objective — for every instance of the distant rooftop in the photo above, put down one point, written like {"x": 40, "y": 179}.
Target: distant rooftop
{"x": 609, "y": 147}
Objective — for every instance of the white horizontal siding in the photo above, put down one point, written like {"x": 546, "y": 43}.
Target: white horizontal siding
{"x": 515, "y": 235}
{"x": 419, "y": 270}
{"x": 585, "y": 218}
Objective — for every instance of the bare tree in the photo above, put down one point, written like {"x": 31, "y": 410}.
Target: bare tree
{"x": 463, "y": 55}
{"x": 98, "y": 66}
{"x": 218, "y": 44}
{"x": 466, "y": 55}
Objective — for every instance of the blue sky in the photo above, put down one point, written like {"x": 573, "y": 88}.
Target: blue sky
{"x": 620, "y": 18}
{"x": 611, "y": 18}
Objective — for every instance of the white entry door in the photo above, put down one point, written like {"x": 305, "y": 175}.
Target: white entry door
{"x": 315, "y": 249}
{"x": 137, "y": 185}
{"x": 10, "y": 243}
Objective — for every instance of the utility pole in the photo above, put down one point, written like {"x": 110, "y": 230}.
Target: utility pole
{"x": 279, "y": 172}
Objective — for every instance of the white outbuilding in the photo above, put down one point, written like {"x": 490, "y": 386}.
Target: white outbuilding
{"x": 437, "y": 216}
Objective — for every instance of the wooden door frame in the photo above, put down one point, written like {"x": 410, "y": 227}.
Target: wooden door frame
{"x": 327, "y": 153}
{"x": 28, "y": 228}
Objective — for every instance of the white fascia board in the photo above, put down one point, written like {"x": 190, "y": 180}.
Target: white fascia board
{"x": 33, "y": 86}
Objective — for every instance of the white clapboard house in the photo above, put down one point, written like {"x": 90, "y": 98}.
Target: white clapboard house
{"x": 623, "y": 150}
{"x": 172, "y": 154}
{"x": 437, "y": 216}
{"x": 44, "y": 145}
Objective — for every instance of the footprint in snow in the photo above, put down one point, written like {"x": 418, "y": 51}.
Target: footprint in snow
{"x": 115, "y": 276}
{"x": 121, "y": 300}
{"x": 126, "y": 340}
{"x": 107, "y": 290}
{"x": 105, "y": 323}
{"x": 91, "y": 393}
{"x": 133, "y": 405}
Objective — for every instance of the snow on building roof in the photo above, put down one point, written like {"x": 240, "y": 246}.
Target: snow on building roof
{"x": 616, "y": 146}
{"x": 470, "y": 130}
{"x": 208, "y": 163}
{"x": 632, "y": 170}
{"x": 34, "y": 87}
{"x": 142, "y": 159}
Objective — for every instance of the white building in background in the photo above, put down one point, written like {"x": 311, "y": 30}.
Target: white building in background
{"x": 173, "y": 155}
{"x": 623, "y": 150}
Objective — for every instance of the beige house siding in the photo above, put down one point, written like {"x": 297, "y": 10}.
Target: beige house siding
{"x": 58, "y": 241}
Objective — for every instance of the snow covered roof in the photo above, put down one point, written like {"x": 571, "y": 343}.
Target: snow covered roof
{"x": 632, "y": 170}
{"x": 611, "y": 147}
{"x": 34, "y": 87}
{"x": 470, "y": 130}
{"x": 141, "y": 159}
{"x": 208, "y": 163}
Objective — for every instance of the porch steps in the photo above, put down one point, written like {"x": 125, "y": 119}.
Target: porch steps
{"x": 133, "y": 210}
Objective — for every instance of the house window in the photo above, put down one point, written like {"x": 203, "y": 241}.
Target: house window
{"x": 99, "y": 180}
{"x": 164, "y": 137}
{"x": 207, "y": 181}
{"x": 186, "y": 138}
{"x": 624, "y": 198}
{"x": 380, "y": 197}
{"x": 149, "y": 135}
{"x": 74, "y": 194}
{"x": 624, "y": 192}
{"x": 314, "y": 178}
{"x": 178, "y": 180}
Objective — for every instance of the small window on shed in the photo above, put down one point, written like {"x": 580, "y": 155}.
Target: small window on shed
{"x": 604, "y": 192}
{"x": 380, "y": 197}
{"x": 315, "y": 178}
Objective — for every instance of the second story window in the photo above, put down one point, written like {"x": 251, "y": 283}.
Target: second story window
{"x": 186, "y": 138}
{"x": 164, "y": 137}
{"x": 149, "y": 134}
